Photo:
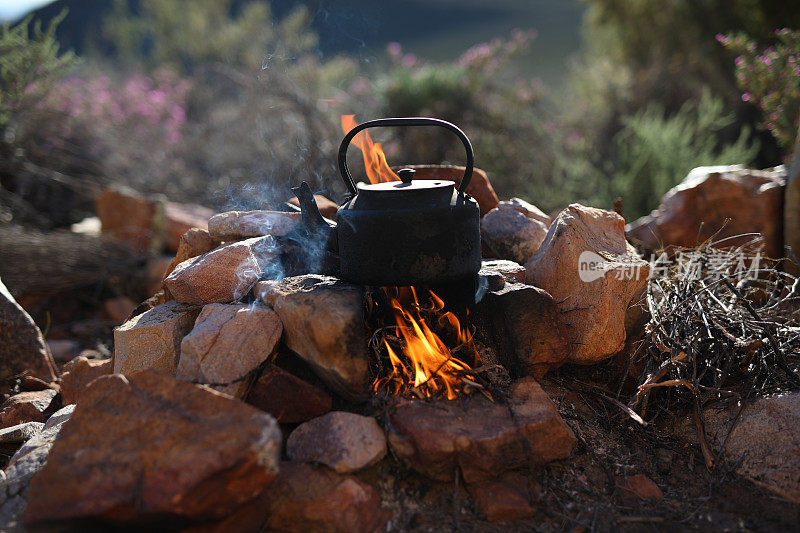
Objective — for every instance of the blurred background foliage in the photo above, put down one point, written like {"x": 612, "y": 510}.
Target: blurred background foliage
{"x": 227, "y": 102}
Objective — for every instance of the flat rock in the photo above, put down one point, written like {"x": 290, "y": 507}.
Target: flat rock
{"x": 308, "y": 498}
{"x": 28, "y": 460}
{"x": 194, "y": 242}
{"x": 511, "y": 498}
{"x": 482, "y": 439}
{"x": 480, "y": 188}
{"x": 22, "y": 347}
{"x": 20, "y": 433}
{"x": 34, "y": 406}
{"x": 180, "y": 218}
{"x": 593, "y": 273}
{"x": 508, "y": 270}
{"x": 525, "y": 326}
{"x": 78, "y": 373}
{"x": 288, "y": 398}
{"x": 236, "y": 225}
{"x": 511, "y": 234}
{"x": 227, "y": 343}
{"x": 323, "y": 323}
{"x": 717, "y": 203}
{"x": 146, "y": 446}
{"x": 153, "y": 339}
{"x": 346, "y": 442}
{"x": 221, "y": 275}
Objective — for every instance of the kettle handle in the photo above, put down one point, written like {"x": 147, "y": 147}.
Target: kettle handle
{"x": 406, "y": 121}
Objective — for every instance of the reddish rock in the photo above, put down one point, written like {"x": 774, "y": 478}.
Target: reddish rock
{"x": 323, "y": 323}
{"x": 514, "y": 230}
{"x": 480, "y": 437}
{"x": 147, "y": 446}
{"x": 131, "y": 218}
{"x": 638, "y": 487}
{"x": 346, "y": 442}
{"x": 181, "y": 218}
{"x": 227, "y": 343}
{"x": 717, "y": 203}
{"x": 507, "y": 499}
{"x": 78, "y": 373}
{"x": 525, "y": 326}
{"x": 236, "y": 225}
{"x": 305, "y": 498}
{"x": 286, "y": 397}
{"x": 589, "y": 268}
{"x": 221, "y": 275}
{"x": 22, "y": 347}
{"x": 34, "y": 406}
{"x": 480, "y": 188}
{"x": 30, "y": 383}
{"x": 153, "y": 339}
{"x": 327, "y": 207}
{"x": 194, "y": 242}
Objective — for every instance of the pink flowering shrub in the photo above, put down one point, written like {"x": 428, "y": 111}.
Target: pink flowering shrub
{"x": 138, "y": 107}
{"x": 770, "y": 79}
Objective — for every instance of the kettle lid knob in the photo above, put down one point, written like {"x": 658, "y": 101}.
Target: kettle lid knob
{"x": 406, "y": 174}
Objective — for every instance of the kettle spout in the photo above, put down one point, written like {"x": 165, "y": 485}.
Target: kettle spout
{"x": 312, "y": 218}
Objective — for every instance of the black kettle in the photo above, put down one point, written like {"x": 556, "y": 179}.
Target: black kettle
{"x": 399, "y": 233}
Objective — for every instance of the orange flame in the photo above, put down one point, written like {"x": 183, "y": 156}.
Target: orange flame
{"x": 378, "y": 170}
{"x": 432, "y": 368}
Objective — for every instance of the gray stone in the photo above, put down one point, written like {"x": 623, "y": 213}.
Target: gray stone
{"x": 20, "y": 432}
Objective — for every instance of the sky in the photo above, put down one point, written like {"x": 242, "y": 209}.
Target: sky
{"x": 11, "y": 9}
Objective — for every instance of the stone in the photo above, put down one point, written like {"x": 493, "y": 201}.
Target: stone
{"x": 593, "y": 273}
{"x": 308, "y": 498}
{"x": 77, "y": 375}
{"x": 766, "y": 439}
{"x": 153, "y": 339}
{"x": 638, "y": 487}
{"x": 327, "y": 208}
{"x": 481, "y": 438}
{"x": 345, "y": 442}
{"x": 222, "y": 275}
{"x": 28, "y": 460}
{"x": 525, "y": 326}
{"x": 118, "y": 309}
{"x": 194, "y": 242}
{"x": 480, "y": 188}
{"x": 288, "y": 398}
{"x": 511, "y": 498}
{"x": 717, "y": 203}
{"x": 34, "y": 406}
{"x": 21, "y": 432}
{"x": 30, "y": 383}
{"x": 323, "y": 323}
{"x": 227, "y": 343}
{"x": 236, "y": 225}
{"x": 527, "y": 209}
{"x": 181, "y": 218}
{"x": 147, "y": 446}
{"x": 22, "y": 347}
{"x": 511, "y": 234}
{"x": 63, "y": 350}
{"x": 131, "y": 218}
{"x": 508, "y": 270}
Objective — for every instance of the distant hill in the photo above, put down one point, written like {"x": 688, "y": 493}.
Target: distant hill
{"x": 436, "y": 29}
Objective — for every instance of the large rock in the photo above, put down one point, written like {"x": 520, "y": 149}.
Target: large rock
{"x": 194, "y": 242}
{"x": 509, "y": 234}
{"x": 78, "y": 373}
{"x": 482, "y": 438}
{"x": 28, "y": 460}
{"x": 305, "y": 498}
{"x": 766, "y": 439}
{"x": 235, "y": 225}
{"x": 181, "y": 218}
{"x": 227, "y": 343}
{"x": 718, "y": 203}
{"x": 153, "y": 339}
{"x": 22, "y": 347}
{"x": 480, "y": 188}
{"x": 34, "y": 406}
{"x": 323, "y": 322}
{"x": 288, "y": 398}
{"x": 147, "y": 446}
{"x": 513, "y": 497}
{"x": 525, "y": 326}
{"x": 221, "y": 275}
{"x": 346, "y": 442}
{"x": 131, "y": 218}
{"x": 589, "y": 268}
